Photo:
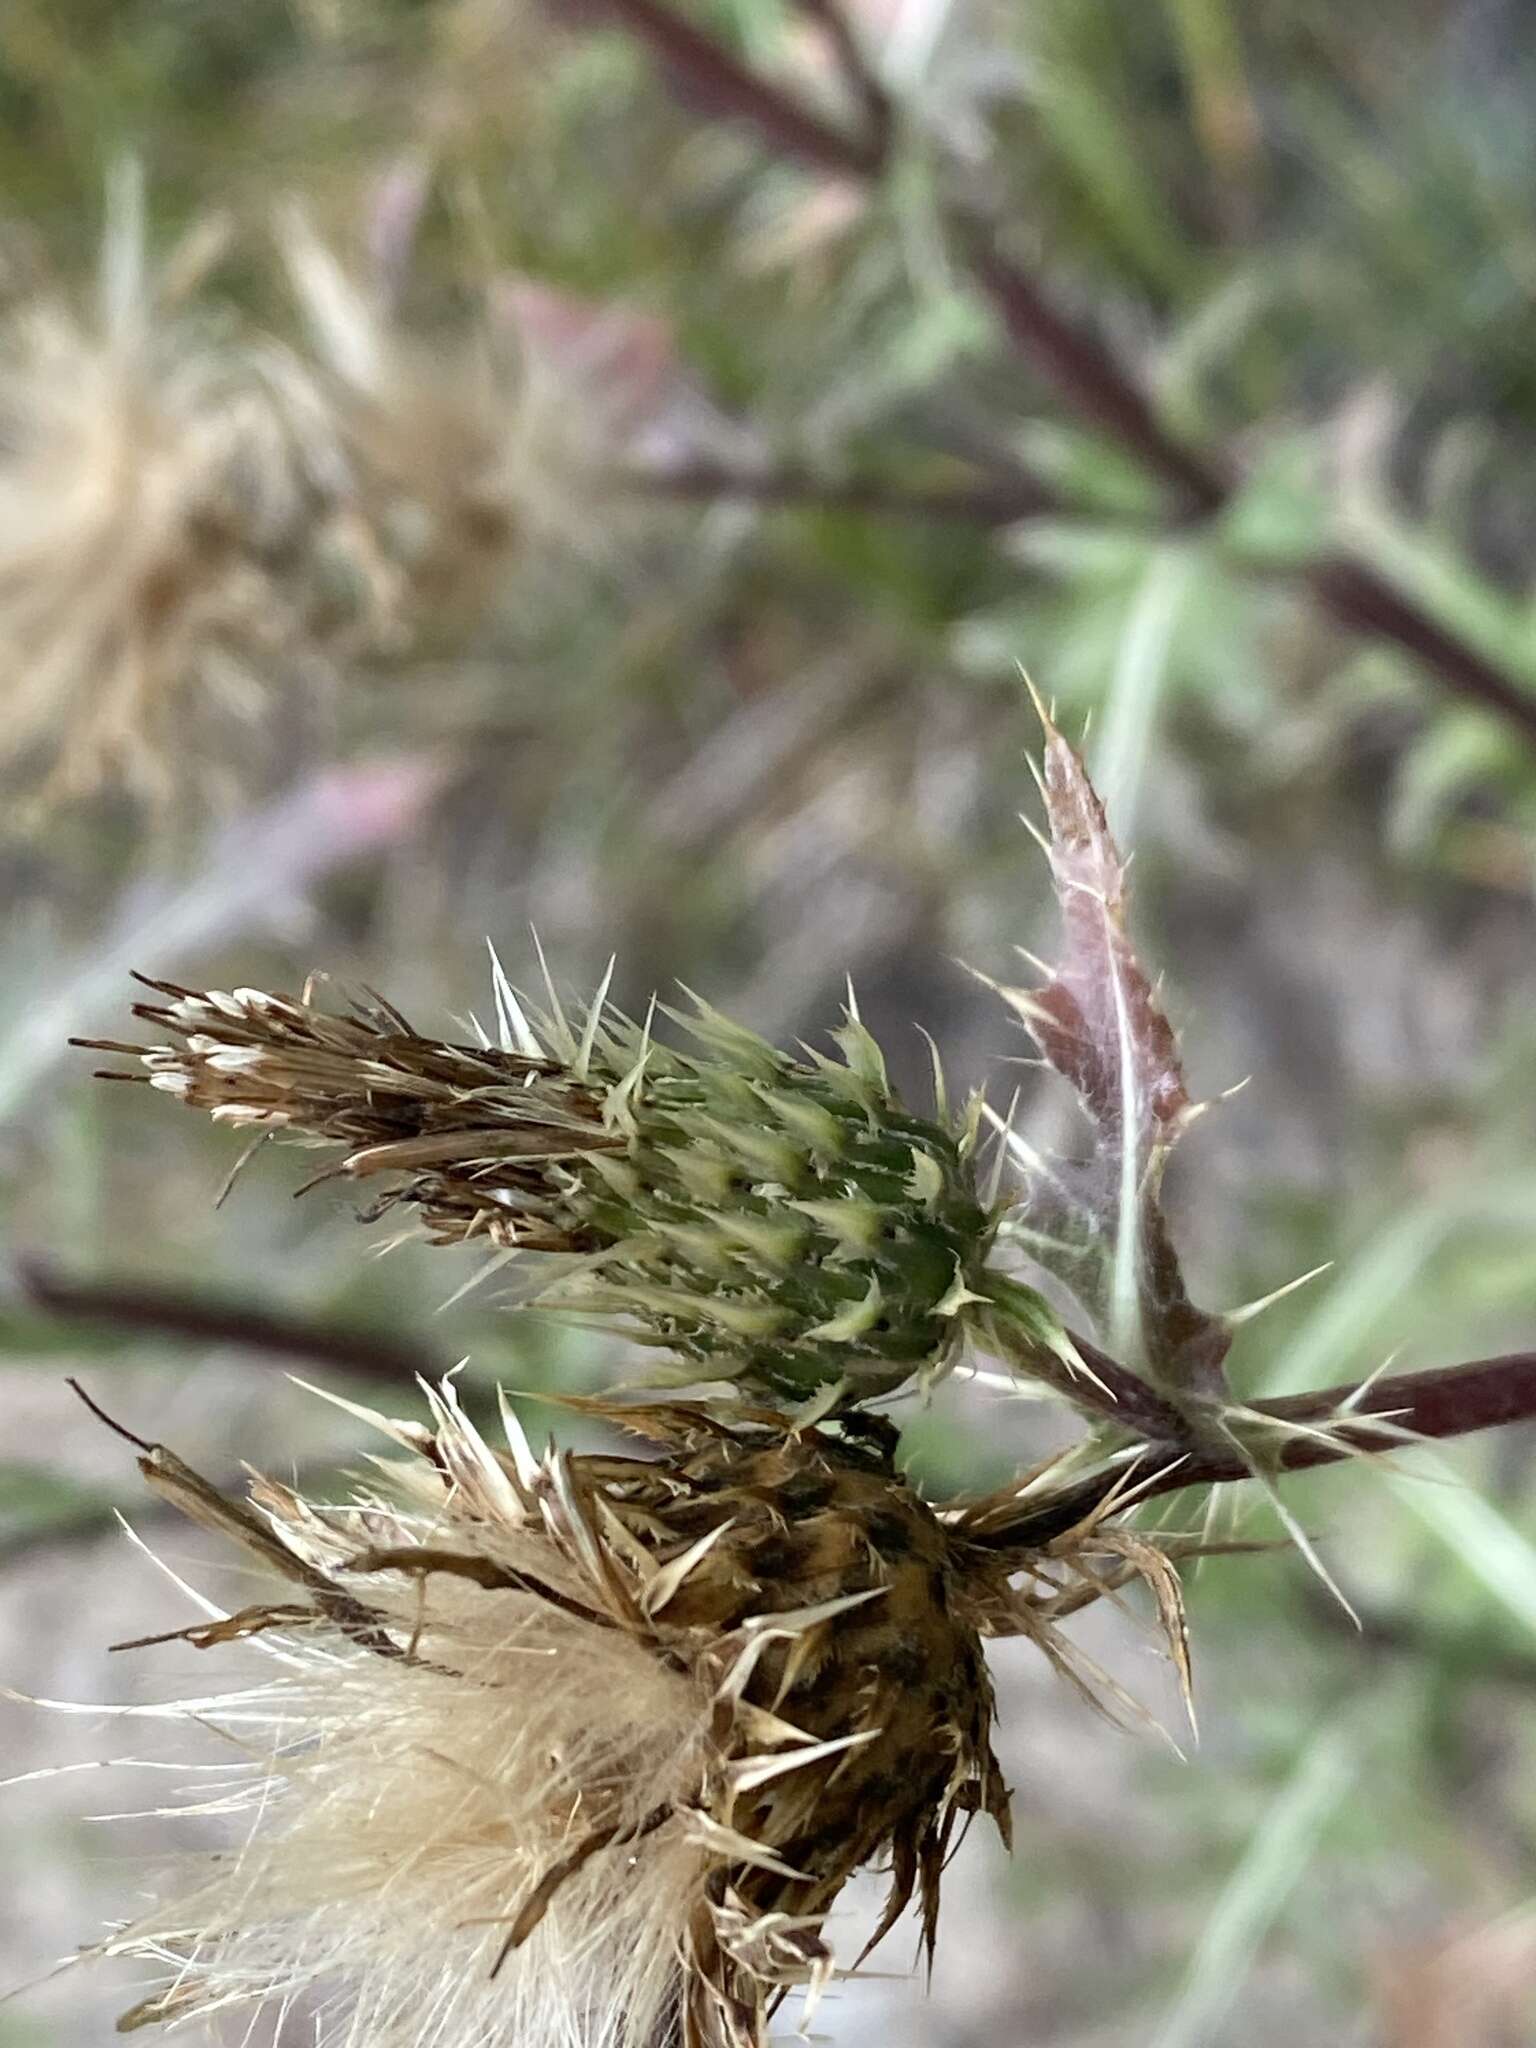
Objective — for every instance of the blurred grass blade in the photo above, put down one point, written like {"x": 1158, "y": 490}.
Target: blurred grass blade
{"x": 1137, "y": 685}
{"x": 1255, "y": 1894}
{"x": 1082, "y": 81}
{"x": 1500, "y": 1556}
{"x": 1211, "y": 55}
{"x": 1370, "y": 1287}
{"x": 254, "y": 872}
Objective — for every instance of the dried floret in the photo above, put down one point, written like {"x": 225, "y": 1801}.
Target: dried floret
{"x": 582, "y": 1749}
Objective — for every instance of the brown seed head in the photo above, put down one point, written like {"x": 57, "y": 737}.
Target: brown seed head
{"x": 585, "y": 1748}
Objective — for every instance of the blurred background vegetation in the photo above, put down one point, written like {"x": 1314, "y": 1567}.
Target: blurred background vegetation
{"x": 474, "y": 461}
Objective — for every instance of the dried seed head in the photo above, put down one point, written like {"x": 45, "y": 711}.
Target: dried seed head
{"x": 196, "y": 519}
{"x": 784, "y": 1223}
{"x": 582, "y": 1750}
{"x": 464, "y": 450}
{"x": 173, "y": 549}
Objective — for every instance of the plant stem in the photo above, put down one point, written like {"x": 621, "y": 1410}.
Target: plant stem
{"x": 1108, "y": 1388}
{"x": 1445, "y": 1402}
{"x": 1094, "y": 383}
{"x": 704, "y": 71}
{"x": 868, "y": 93}
{"x": 1453, "y": 1400}
{"x": 1358, "y": 597}
{"x": 1085, "y": 373}
{"x": 364, "y": 1354}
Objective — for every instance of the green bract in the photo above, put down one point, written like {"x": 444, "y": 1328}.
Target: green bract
{"x": 784, "y": 1223}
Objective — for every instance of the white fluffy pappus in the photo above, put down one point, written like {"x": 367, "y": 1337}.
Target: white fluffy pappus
{"x": 580, "y": 1751}
{"x": 495, "y": 1797}
{"x": 167, "y": 515}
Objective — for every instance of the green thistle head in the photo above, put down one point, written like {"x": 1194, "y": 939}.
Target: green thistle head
{"x": 788, "y": 1223}
{"x": 783, "y": 1223}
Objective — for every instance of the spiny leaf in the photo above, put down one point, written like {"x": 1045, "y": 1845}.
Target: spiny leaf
{"x": 1099, "y": 1022}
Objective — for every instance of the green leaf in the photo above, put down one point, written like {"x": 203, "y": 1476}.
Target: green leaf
{"x": 1254, "y": 1896}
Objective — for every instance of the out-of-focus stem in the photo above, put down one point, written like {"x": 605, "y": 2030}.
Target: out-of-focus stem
{"x": 162, "y": 1312}
{"x": 868, "y": 92}
{"x": 706, "y": 72}
{"x": 1090, "y": 378}
{"x": 1085, "y": 373}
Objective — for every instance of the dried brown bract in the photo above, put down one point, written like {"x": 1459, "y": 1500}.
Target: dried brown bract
{"x": 583, "y": 1749}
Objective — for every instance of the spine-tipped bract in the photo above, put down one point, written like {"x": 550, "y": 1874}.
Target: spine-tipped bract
{"x": 784, "y": 1223}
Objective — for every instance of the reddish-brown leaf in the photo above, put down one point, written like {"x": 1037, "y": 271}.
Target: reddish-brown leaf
{"x": 1097, "y": 1223}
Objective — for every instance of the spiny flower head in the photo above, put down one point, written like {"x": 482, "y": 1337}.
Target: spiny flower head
{"x": 197, "y": 519}
{"x": 781, "y": 1222}
{"x": 171, "y": 539}
{"x": 579, "y": 1752}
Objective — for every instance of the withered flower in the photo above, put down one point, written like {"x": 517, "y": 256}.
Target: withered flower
{"x": 198, "y": 520}
{"x": 583, "y": 1749}
{"x": 470, "y": 448}
{"x": 170, "y": 533}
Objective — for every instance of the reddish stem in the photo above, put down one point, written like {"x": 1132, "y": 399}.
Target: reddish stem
{"x": 1085, "y": 372}
{"x": 1448, "y": 1401}
{"x": 1094, "y": 383}
{"x": 870, "y": 95}
{"x": 704, "y": 70}
{"x": 1363, "y": 600}
{"x": 1452, "y": 1400}
{"x": 365, "y": 1354}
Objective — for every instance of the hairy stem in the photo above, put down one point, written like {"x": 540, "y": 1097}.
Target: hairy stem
{"x": 1453, "y": 1400}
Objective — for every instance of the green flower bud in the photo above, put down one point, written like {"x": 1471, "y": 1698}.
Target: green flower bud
{"x": 784, "y": 1223}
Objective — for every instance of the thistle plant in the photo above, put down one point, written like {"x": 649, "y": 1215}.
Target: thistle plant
{"x": 199, "y": 520}
{"x": 170, "y": 535}
{"x": 582, "y": 1748}
{"x": 781, "y": 1223}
